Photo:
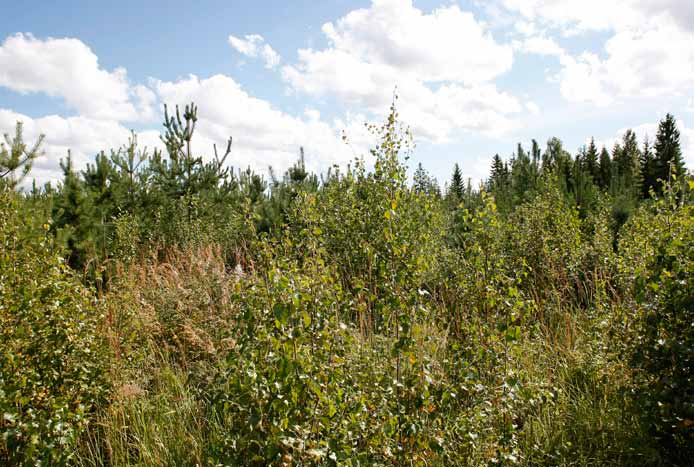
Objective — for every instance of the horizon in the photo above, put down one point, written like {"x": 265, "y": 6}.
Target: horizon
{"x": 473, "y": 78}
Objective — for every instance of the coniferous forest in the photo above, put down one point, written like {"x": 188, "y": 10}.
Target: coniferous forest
{"x": 163, "y": 308}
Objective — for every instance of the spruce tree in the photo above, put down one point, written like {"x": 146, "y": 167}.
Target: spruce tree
{"x": 616, "y": 164}
{"x": 590, "y": 163}
{"x": 424, "y": 183}
{"x": 420, "y": 179}
{"x": 604, "y": 169}
{"x": 523, "y": 176}
{"x": 536, "y": 153}
{"x": 648, "y": 175}
{"x": 497, "y": 173}
{"x": 456, "y": 188}
{"x": 668, "y": 152}
{"x": 628, "y": 164}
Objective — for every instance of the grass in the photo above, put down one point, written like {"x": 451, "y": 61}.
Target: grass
{"x": 569, "y": 408}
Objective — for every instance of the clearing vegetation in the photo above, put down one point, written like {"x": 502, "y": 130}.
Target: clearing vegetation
{"x": 164, "y": 309}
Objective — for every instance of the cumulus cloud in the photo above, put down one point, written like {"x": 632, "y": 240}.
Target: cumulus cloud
{"x": 68, "y": 69}
{"x": 442, "y": 63}
{"x": 105, "y": 101}
{"x": 532, "y": 107}
{"x": 263, "y": 135}
{"x": 573, "y": 17}
{"x": 582, "y": 79}
{"x": 639, "y": 64}
{"x": 254, "y": 46}
{"x": 650, "y": 51}
{"x": 446, "y": 45}
{"x": 84, "y": 137}
{"x": 539, "y": 45}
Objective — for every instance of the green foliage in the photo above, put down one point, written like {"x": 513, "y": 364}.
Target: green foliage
{"x": 658, "y": 277}
{"x": 377, "y": 231}
{"x": 52, "y": 364}
{"x": 544, "y": 236}
{"x": 668, "y": 152}
{"x": 456, "y": 188}
{"x": 605, "y": 171}
{"x": 424, "y": 183}
{"x": 16, "y": 155}
{"x": 349, "y": 318}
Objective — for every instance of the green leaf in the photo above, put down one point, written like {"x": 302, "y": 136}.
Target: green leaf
{"x": 281, "y": 312}
{"x": 307, "y": 318}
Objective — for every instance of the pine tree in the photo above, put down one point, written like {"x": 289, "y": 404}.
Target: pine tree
{"x": 127, "y": 177}
{"x": 557, "y": 160}
{"x": 297, "y": 173}
{"x": 73, "y": 216}
{"x": 16, "y": 155}
{"x": 668, "y": 152}
{"x": 97, "y": 182}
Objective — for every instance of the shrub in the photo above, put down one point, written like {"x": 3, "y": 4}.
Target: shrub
{"x": 658, "y": 279}
{"x": 52, "y": 370}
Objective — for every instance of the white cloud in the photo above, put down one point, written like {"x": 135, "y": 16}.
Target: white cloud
{"x": 83, "y": 136}
{"x": 441, "y": 62}
{"x": 581, "y": 79}
{"x": 262, "y": 134}
{"x": 639, "y": 64}
{"x": 68, "y": 69}
{"x": 540, "y": 45}
{"x": 532, "y": 107}
{"x": 574, "y": 17}
{"x": 526, "y": 28}
{"x": 650, "y": 52}
{"x": 254, "y": 45}
{"x": 445, "y": 45}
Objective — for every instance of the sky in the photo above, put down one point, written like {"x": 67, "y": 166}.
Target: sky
{"x": 473, "y": 77}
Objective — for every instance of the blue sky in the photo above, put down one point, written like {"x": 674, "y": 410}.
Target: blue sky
{"x": 474, "y": 77}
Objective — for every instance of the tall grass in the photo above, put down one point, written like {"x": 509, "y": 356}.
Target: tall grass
{"x": 174, "y": 322}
